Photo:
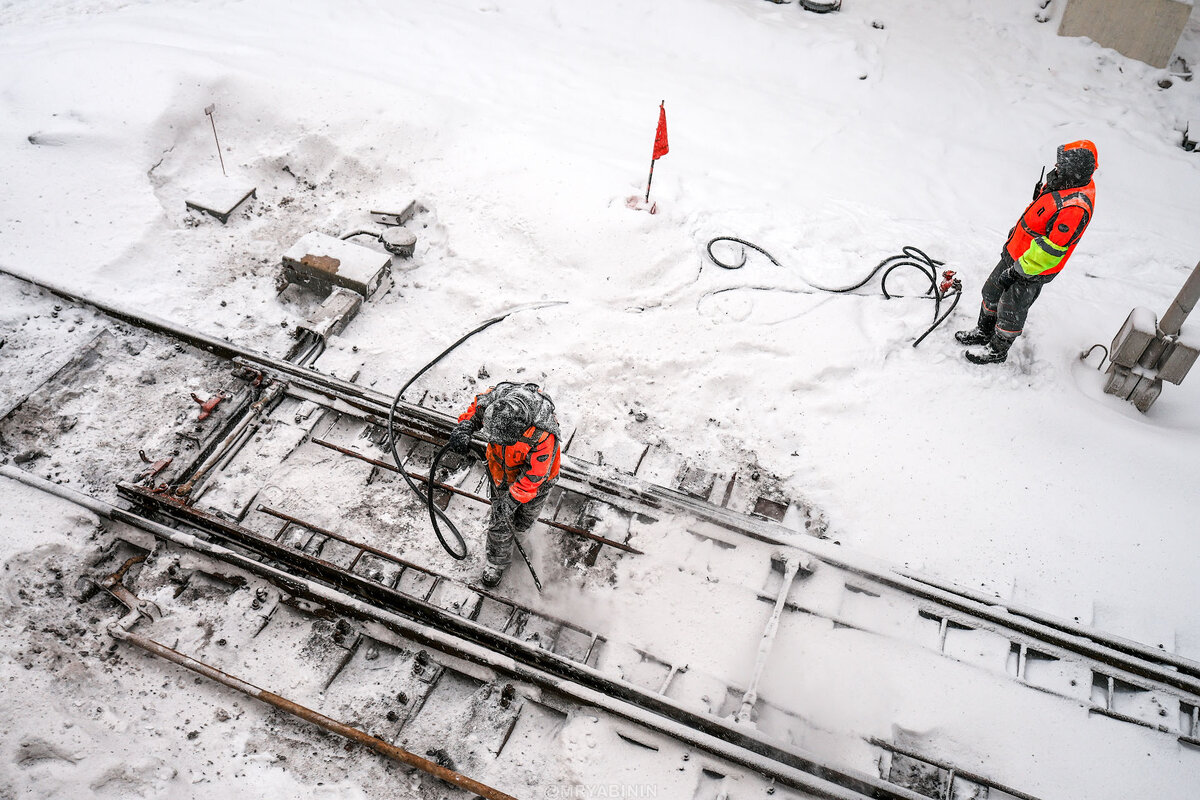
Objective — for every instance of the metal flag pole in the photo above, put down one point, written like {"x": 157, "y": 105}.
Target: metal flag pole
{"x": 654, "y": 156}
{"x": 209, "y": 111}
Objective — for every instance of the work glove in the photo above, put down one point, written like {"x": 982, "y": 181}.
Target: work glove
{"x": 1014, "y": 275}
{"x": 1009, "y": 277}
{"x": 506, "y": 505}
{"x": 460, "y": 438}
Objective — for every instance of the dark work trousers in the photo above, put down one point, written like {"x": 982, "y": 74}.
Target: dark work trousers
{"x": 1007, "y": 296}
{"x": 502, "y": 528}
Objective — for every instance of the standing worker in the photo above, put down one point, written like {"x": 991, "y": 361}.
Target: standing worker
{"x": 517, "y": 421}
{"x": 1037, "y": 249}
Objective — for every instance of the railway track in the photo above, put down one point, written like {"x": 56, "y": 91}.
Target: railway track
{"x": 288, "y": 556}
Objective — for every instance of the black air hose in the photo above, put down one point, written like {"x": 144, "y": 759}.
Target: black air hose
{"x": 459, "y": 552}
{"x": 908, "y": 257}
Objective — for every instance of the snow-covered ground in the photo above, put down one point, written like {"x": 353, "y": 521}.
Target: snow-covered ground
{"x": 830, "y": 140}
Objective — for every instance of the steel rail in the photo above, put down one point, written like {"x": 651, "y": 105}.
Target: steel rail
{"x": 386, "y": 598}
{"x": 949, "y": 768}
{"x": 797, "y": 769}
{"x": 1132, "y": 657}
{"x": 309, "y": 715}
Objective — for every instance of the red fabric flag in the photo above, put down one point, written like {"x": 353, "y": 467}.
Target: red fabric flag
{"x": 660, "y": 136}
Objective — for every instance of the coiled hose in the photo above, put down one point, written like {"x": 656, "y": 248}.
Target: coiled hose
{"x": 909, "y": 256}
{"x": 459, "y": 551}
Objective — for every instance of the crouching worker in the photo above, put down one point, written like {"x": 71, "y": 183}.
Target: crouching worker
{"x": 518, "y": 423}
{"x": 1036, "y": 251}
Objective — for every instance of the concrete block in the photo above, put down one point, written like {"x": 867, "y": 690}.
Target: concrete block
{"x": 1147, "y": 30}
{"x": 324, "y": 262}
{"x": 402, "y": 213}
{"x": 1139, "y": 330}
{"x": 219, "y": 197}
{"x": 332, "y": 317}
{"x": 1177, "y": 361}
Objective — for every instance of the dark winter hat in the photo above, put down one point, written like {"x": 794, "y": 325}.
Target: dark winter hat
{"x": 1076, "y": 162}
{"x": 508, "y": 417}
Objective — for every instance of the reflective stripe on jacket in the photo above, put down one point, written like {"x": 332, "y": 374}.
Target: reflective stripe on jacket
{"x": 1050, "y": 229}
{"x": 526, "y": 466}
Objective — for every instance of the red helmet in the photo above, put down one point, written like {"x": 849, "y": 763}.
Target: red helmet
{"x": 1082, "y": 144}
{"x": 1076, "y": 162}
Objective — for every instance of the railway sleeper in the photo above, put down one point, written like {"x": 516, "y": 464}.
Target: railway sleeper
{"x": 460, "y": 717}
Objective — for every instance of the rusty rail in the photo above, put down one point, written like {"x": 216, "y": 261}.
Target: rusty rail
{"x": 309, "y": 715}
{"x": 477, "y": 498}
{"x": 741, "y": 745}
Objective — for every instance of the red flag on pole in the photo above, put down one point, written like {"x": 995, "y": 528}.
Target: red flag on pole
{"x": 660, "y": 136}
{"x": 660, "y": 147}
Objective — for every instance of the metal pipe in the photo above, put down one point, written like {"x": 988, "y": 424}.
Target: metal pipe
{"x": 790, "y": 567}
{"x": 237, "y": 445}
{"x": 309, "y": 715}
{"x": 1172, "y": 321}
{"x": 360, "y": 232}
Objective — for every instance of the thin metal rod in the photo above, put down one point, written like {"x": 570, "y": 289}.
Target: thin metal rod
{"x": 218, "y": 141}
{"x": 366, "y": 548}
{"x": 536, "y": 581}
{"x": 477, "y": 498}
{"x": 309, "y": 715}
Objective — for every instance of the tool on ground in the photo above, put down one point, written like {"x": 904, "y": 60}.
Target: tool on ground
{"x": 154, "y": 467}
{"x": 528, "y": 563}
{"x": 208, "y": 406}
{"x": 789, "y": 566}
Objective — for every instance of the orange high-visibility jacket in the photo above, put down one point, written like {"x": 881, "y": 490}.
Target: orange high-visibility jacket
{"x": 1051, "y": 227}
{"x": 525, "y": 467}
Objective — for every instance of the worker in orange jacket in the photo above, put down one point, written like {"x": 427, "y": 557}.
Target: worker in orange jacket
{"x": 517, "y": 421}
{"x": 1037, "y": 249}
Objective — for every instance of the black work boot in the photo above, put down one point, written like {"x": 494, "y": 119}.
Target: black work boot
{"x": 995, "y": 351}
{"x": 980, "y": 334}
{"x": 492, "y": 573}
{"x": 973, "y": 336}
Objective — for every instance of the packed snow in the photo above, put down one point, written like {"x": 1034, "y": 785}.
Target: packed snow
{"x": 523, "y": 129}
